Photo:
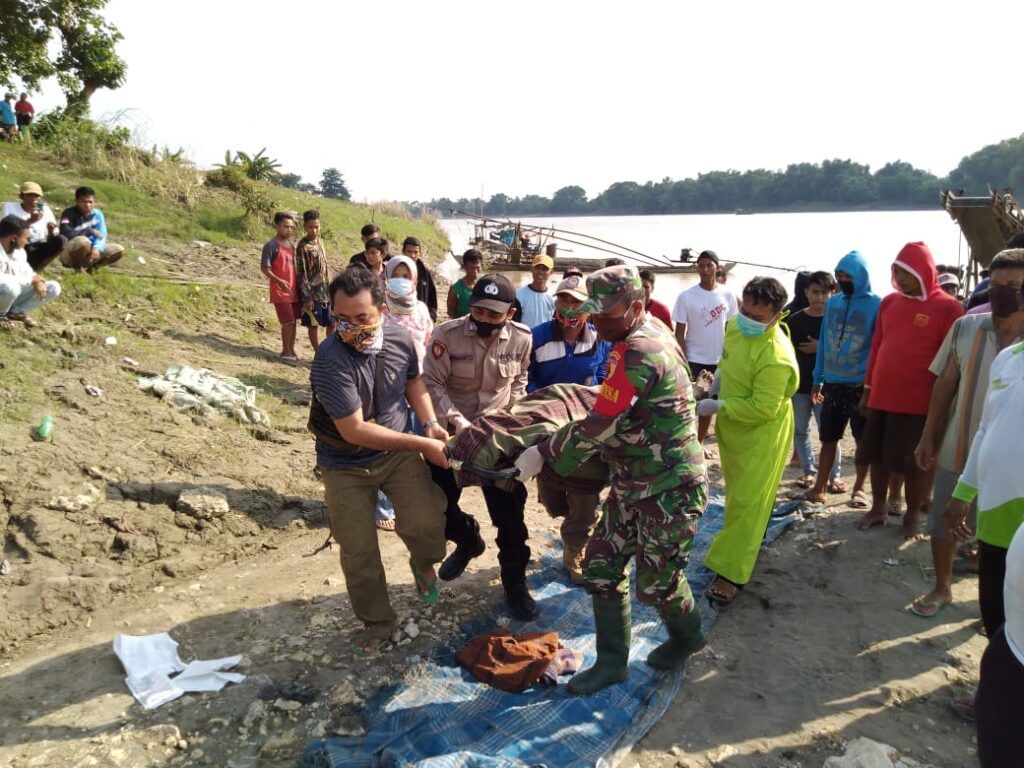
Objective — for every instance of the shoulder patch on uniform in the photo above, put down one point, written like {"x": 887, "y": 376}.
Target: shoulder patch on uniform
{"x": 437, "y": 349}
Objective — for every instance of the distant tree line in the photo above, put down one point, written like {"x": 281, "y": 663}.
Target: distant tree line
{"x": 832, "y": 184}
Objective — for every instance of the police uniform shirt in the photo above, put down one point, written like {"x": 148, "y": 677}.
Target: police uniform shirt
{"x": 466, "y": 376}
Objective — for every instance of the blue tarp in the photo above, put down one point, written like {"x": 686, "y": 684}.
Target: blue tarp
{"x": 446, "y": 719}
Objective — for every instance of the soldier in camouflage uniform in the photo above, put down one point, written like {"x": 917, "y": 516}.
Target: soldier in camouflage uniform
{"x": 643, "y": 425}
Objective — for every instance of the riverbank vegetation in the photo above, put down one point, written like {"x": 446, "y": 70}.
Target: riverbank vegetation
{"x": 829, "y": 185}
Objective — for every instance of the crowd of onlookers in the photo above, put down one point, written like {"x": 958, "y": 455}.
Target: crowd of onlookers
{"x": 16, "y": 118}
{"x": 33, "y": 238}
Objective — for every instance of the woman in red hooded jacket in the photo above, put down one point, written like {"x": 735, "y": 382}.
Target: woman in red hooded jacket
{"x": 911, "y": 325}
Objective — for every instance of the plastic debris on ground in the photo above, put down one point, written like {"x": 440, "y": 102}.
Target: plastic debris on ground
{"x": 150, "y": 660}
{"x": 205, "y": 392}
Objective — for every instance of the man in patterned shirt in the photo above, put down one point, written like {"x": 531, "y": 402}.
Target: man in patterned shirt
{"x": 312, "y": 276}
{"x": 644, "y": 427}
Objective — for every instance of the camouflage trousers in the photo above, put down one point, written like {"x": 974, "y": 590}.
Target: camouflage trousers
{"x": 659, "y": 531}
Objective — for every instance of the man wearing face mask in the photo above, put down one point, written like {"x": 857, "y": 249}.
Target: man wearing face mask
{"x": 759, "y": 375}
{"x": 954, "y": 410}
{"x": 362, "y": 376}
{"x": 643, "y": 425}
{"x": 478, "y": 364}
{"x": 567, "y": 350}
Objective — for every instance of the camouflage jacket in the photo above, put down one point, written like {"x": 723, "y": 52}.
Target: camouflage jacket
{"x": 643, "y": 424}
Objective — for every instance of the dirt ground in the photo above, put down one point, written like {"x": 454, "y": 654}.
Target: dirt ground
{"x": 818, "y": 650}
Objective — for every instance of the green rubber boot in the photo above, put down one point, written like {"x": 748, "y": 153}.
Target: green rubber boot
{"x": 685, "y": 637}
{"x": 612, "y": 622}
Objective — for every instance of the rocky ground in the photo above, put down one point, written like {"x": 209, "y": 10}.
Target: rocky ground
{"x": 104, "y": 535}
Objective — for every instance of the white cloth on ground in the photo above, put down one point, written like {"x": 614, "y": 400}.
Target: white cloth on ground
{"x": 150, "y": 660}
{"x": 202, "y": 390}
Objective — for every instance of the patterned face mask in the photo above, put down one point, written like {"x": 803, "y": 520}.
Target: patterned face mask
{"x": 360, "y": 337}
{"x": 570, "y": 318}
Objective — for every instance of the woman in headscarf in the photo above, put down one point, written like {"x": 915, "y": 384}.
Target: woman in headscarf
{"x": 401, "y": 305}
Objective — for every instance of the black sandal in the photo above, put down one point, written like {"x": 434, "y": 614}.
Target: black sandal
{"x": 719, "y": 600}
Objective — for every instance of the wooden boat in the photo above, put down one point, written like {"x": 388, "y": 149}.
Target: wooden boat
{"x": 586, "y": 265}
{"x": 986, "y": 221}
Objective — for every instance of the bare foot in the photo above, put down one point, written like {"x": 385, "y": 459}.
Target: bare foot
{"x": 911, "y": 527}
{"x": 870, "y": 520}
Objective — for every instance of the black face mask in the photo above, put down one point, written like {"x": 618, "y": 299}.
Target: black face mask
{"x": 486, "y": 330}
{"x": 1005, "y": 300}
{"x": 846, "y": 286}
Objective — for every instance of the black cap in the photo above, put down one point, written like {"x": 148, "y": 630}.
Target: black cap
{"x": 493, "y": 292}
{"x": 708, "y": 255}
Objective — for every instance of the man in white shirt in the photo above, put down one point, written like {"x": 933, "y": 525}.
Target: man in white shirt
{"x": 537, "y": 302}
{"x": 45, "y": 242}
{"x": 21, "y": 289}
{"x": 700, "y": 315}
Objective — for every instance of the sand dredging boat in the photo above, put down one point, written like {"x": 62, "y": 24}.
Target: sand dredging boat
{"x": 987, "y": 222}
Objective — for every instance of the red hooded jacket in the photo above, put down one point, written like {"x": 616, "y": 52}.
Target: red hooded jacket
{"x": 908, "y": 333}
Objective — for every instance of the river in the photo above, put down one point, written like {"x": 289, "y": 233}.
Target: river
{"x": 783, "y": 240}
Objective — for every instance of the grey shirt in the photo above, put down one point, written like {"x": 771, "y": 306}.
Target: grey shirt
{"x": 343, "y": 382}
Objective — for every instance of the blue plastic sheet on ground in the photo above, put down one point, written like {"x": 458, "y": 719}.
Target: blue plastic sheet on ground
{"x": 446, "y": 719}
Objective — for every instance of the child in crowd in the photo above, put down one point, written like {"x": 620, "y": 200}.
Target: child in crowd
{"x": 458, "y": 300}
{"x": 312, "y": 276}
{"x": 459, "y": 293}
{"x": 278, "y": 264}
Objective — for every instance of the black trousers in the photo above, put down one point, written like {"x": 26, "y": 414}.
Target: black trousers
{"x": 40, "y": 254}
{"x": 991, "y": 575}
{"x": 506, "y": 511}
{"x": 999, "y": 706}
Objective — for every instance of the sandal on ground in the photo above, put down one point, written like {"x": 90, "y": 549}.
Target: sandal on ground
{"x": 426, "y": 590}
{"x": 369, "y": 647}
{"x": 860, "y": 500}
{"x": 387, "y": 524}
{"x": 963, "y": 708}
{"x": 894, "y": 508}
{"x": 927, "y": 607}
{"x": 21, "y": 317}
{"x": 289, "y": 359}
{"x": 722, "y": 593}
{"x": 805, "y": 481}
{"x": 836, "y": 486}
{"x": 806, "y": 496}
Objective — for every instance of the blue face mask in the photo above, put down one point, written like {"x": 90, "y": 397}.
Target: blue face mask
{"x": 750, "y": 328}
{"x": 400, "y": 286}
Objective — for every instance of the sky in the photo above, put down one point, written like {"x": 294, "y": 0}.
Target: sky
{"x": 414, "y": 100}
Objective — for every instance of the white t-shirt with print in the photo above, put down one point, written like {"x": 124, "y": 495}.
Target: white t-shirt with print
{"x": 704, "y": 313}
{"x": 37, "y": 232}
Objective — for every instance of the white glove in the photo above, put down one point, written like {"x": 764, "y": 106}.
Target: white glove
{"x": 458, "y": 423}
{"x": 708, "y": 407}
{"x": 529, "y": 463}
{"x": 716, "y": 385}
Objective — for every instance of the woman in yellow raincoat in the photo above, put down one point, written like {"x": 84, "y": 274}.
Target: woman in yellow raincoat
{"x": 758, "y": 376}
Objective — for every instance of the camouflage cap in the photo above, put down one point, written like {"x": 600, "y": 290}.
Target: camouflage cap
{"x": 607, "y": 287}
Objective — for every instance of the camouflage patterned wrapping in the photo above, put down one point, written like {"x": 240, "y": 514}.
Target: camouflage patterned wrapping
{"x": 494, "y": 440}
{"x": 643, "y": 423}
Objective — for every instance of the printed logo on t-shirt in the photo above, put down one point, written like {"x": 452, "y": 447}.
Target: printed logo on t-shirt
{"x": 710, "y": 316}
{"x": 921, "y": 319}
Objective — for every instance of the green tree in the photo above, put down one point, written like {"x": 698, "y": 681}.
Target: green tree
{"x": 84, "y": 58}
{"x": 332, "y": 185}
{"x": 571, "y": 199}
{"x": 289, "y": 180}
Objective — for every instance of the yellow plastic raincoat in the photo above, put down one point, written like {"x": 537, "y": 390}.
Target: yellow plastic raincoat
{"x": 754, "y": 427}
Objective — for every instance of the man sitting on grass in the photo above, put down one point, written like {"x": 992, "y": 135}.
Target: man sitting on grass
{"x": 85, "y": 228}
{"x": 21, "y": 289}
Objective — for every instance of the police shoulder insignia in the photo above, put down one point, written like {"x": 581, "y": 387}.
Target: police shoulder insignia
{"x": 437, "y": 349}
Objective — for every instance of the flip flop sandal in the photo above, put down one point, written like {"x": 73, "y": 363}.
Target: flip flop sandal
{"x": 927, "y": 609}
{"x": 720, "y": 600}
{"x": 963, "y": 708}
{"x": 426, "y": 591}
{"x": 836, "y": 486}
{"x": 805, "y": 481}
{"x": 859, "y": 500}
{"x": 369, "y": 647}
{"x": 386, "y": 525}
